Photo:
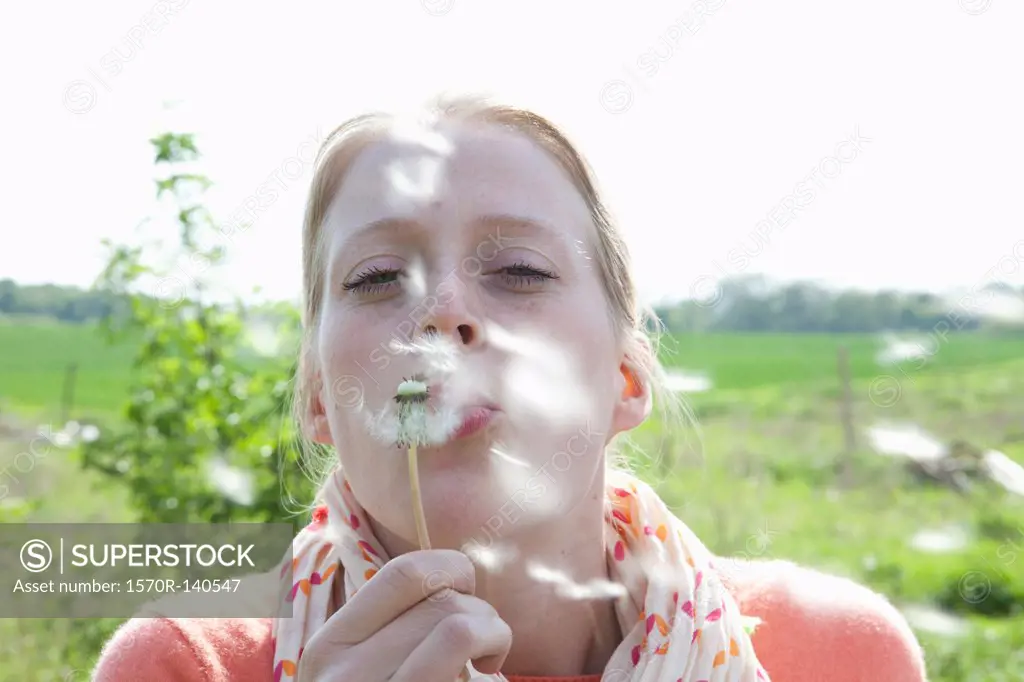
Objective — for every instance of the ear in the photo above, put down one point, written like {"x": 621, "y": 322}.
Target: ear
{"x": 633, "y": 404}
{"x": 315, "y": 425}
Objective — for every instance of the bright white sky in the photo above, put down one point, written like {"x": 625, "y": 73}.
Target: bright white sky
{"x": 721, "y": 126}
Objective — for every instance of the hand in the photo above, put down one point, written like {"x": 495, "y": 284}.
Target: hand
{"x": 415, "y": 621}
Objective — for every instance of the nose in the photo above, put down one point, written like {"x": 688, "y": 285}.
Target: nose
{"x": 453, "y": 316}
{"x": 465, "y": 331}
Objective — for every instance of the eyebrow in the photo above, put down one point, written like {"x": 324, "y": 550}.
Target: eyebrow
{"x": 490, "y": 221}
{"x": 380, "y": 226}
{"x": 497, "y": 221}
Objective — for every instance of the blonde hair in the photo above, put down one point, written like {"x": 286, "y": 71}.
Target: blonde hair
{"x": 638, "y": 327}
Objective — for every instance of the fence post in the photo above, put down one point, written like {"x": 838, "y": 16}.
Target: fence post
{"x": 68, "y": 395}
{"x": 846, "y": 417}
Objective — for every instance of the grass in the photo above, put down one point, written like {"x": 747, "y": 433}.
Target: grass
{"x": 759, "y": 481}
{"x": 741, "y": 361}
{"x": 36, "y": 358}
{"x": 777, "y": 449}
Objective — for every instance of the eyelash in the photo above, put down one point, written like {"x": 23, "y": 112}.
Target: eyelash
{"x": 535, "y": 274}
{"x": 363, "y": 285}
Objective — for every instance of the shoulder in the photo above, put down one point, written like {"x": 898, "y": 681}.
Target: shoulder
{"x": 818, "y": 626}
{"x": 161, "y": 649}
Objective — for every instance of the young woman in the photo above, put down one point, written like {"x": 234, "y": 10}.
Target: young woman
{"x": 476, "y": 228}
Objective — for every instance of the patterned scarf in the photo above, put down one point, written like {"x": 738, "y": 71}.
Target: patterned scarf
{"x": 680, "y": 623}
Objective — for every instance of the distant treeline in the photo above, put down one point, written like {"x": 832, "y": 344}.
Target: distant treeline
{"x": 745, "y": 304}
{"x": 755, "y": 304}
{"x": 74, "y": 304}
{"x": 68, "y": 304}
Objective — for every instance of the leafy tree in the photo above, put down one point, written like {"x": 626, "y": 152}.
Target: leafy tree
{"x": 206, "y": 434}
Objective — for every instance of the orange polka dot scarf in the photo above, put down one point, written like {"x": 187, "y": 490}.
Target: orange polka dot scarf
{"x": 679, "y": 621}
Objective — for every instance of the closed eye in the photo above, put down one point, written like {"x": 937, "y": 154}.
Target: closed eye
{"x": 520, "y": 275}
{"x": 378, "y": 280}
{"x": 373, "y": 280}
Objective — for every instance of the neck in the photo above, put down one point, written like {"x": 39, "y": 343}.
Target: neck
{"x": 554, "y": 633}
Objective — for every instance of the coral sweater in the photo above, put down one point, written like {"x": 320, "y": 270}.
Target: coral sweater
{"x": 816, "y": 628}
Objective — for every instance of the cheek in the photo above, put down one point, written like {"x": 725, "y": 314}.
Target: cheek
{"x": 563, "y": 382}
{"x": 590, "y": 337}
{"x": 356, "y": 367}
{"x": 586, "y": 333}
{"x": 562, "y": 357}
{"x": 354, "y": 361}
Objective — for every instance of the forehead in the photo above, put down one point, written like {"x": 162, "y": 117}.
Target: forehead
{"x": 453, "y": 174}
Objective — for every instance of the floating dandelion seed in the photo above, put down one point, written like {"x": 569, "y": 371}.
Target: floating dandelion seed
{"x": 541, "y": 377}
{"x": 439, "y": 354}
{"x": 928, "y": 618}
{"x": 906, "y": 440}
{"x": 687, "y": 382}
{"x": 90, "y": 433}
{"x": 898, "y": 350}
{"x": 1004, "y": 471}
{"x": 568, "y": 588}
{"x": 264, "y": 337}
{"x": 235, "y": 484}
{"x": 938, "y": 540}
{"x": 504, "y": 456}
{"x": 750, "y": 623}
{"x": 491, "y": 558}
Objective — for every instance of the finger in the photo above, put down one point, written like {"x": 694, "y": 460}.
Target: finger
{"x": 385, "y": 651}
{"x": 404, "y": 581}
{"x": 459, "y": 638}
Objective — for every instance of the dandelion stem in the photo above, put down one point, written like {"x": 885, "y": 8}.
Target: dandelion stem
{"x": 417, "y": 500}
{"x": 411, "y": 397}
{"x": 421, "y": 523}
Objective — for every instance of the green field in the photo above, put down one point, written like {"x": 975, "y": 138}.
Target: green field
{"x": 741, "y": 361}
{"x": 34, "y": 360}
{"x": 763, "y": 466}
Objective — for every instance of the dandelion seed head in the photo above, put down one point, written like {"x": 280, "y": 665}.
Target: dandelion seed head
{"x": 412, "y": 418}
{"x": 412, "y": 423}
{"x": 411, "y": 390}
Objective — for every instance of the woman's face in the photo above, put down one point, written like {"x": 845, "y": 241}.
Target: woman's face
{"x": 477, "y": 232}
